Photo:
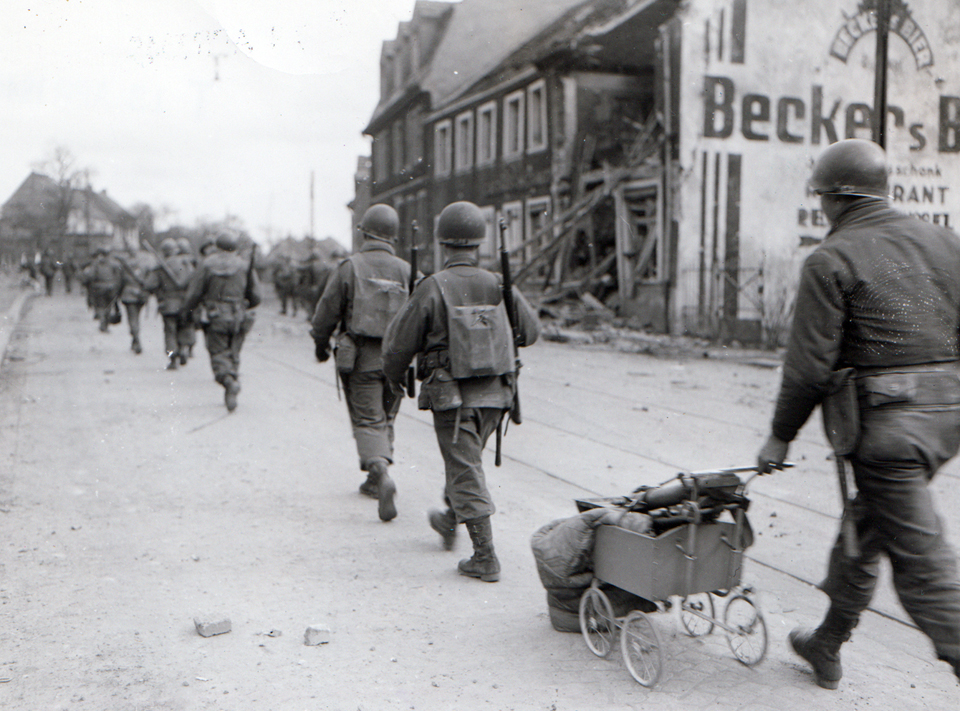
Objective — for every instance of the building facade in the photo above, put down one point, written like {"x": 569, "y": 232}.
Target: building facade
{"x": 655, "y": 152}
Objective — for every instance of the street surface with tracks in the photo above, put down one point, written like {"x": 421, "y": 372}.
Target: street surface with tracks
{"x": 132, "y": 503}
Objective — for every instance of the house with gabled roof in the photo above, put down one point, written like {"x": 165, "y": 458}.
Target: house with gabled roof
{"x": 42, "y": 214}
{"x": 523, "y": 108}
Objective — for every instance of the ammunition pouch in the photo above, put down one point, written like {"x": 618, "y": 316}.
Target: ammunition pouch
{"x": 431, "y": 361}
{"x": 345, "y": 353}
{"x": 227, "y": 316}
{"x": 439, "y": 392}
{"x": 840, "y": 410}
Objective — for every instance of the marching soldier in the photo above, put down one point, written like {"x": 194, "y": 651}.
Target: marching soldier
{"x": 69, "y": 270}
{"x": 285, "y": 281}
{"x": 102, "y": 279}
{"x": 169, "y": 282}
{"x": 313, "y": 276}
{"x": 48, "y": 269}
{"x": 134, "y": 292}
{"x": 878, "y": 305}
{"x": 361, "y": 296}
{"x": 226, "y": 285}
{"x": 457, "y": 322}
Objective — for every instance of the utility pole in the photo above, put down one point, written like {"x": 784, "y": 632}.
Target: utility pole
{"x": 880, "y": 74}
{"x": 312, "y": 233}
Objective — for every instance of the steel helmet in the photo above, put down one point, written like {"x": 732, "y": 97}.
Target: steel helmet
{"x": 168, "y": 247}
{"x": 183, "y": 244}
{"x": 461, "y": 224}
{"x": 851, "y": 167}
{"x": 227, "y": 241}
{"x": 380, "y": 222}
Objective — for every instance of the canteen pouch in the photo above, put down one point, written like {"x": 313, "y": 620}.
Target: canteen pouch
{"x": 840, "y": 410}
{"x": 439, "y": 392}
{"x": 345, "y": 353}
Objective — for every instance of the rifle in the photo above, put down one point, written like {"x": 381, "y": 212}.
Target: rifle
{"x": 412, "y": 371}
{"x": 133, "y": 275}
{"x": 507, "y": 292}
{"x": 163, "y": 264}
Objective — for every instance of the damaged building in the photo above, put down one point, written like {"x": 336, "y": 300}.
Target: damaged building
{"x": 653, "y": 154}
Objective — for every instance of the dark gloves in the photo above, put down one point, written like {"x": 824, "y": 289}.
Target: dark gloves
{"x": 321, "y": 350}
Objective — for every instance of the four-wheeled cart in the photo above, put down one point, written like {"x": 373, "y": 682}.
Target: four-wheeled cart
{"x": 693, "y": 551}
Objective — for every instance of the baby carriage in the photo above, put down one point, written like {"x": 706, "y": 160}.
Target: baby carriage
{"x": 694, "y": 551}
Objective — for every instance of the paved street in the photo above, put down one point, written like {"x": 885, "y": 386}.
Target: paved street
{"x": 131, "y": 503}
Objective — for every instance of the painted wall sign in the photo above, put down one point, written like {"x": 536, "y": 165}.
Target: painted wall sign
{"x": 757, "y": 107}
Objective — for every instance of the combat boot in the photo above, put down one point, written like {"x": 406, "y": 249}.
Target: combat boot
{"x": 172, "y": 365}
{"x": 821, "y": 647}
{"x": 386, "y": 490}
{"x": 484, "y": 563}
{"x": 231, "y": 390}
{"x": 183, "y": 355}
{"x": 135, "y": 346}
{"x": 444, "y": 523}
{"x": 370, "y": 486}
{"x": 955, "y": 663}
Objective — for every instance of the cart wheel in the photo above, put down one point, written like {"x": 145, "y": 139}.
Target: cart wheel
{"x": 640, "y": 645}
{"x": 695, "y": 625}
{"x": 749, "y": 642}
{"x": 597, "y": 621}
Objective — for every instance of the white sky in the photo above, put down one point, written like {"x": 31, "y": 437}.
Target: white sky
{"x": 129, "y": 88}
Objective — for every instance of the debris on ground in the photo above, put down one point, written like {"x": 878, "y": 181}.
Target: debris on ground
{"x": 211, "y": 625}
{"x": 587, "y": 321}
{"x": 316, "y": 634}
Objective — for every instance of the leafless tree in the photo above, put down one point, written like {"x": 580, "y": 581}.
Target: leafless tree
{"x": 61, "y": 167}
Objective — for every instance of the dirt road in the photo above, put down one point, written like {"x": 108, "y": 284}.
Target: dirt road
{"x": 131, "y": 503}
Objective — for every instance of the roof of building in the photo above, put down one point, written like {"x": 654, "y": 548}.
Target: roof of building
{"x": 601, "y": 34}
{"x": 478, "y": 36}
{"x": 40, "y": 194}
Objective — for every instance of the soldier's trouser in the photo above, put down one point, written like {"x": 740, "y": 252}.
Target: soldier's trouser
{"x": 373, "y": 407}
{"x": 101, "y": 301}
{"x": 133, "y": 317}
{"x": 910, "y": 426}
{"x": 466, "y": 485}
{"x": 224, "y": 346}
{"x": 177, "y": 333}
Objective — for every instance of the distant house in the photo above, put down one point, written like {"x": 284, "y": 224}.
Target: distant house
{"x": 41, "y": 214}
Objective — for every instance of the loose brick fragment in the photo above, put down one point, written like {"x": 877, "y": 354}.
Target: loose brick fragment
{"x": 316, "y": 634}
{"x": 211, "y": 625}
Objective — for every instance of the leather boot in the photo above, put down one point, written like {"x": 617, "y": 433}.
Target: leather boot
{"x": 386, "y": 490}
{"x": 955, "y": 663}
{"x": 484, "y": 563}
{"x": 821, "y": 647}
{"x": 444, "y": 523}
{"x": 183, "y": 355}
{"x": 371, "y": 486}
{"x": 172, "y": 365}
{"x": 135, "y": 345}
{"x": 231, "y": 390}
